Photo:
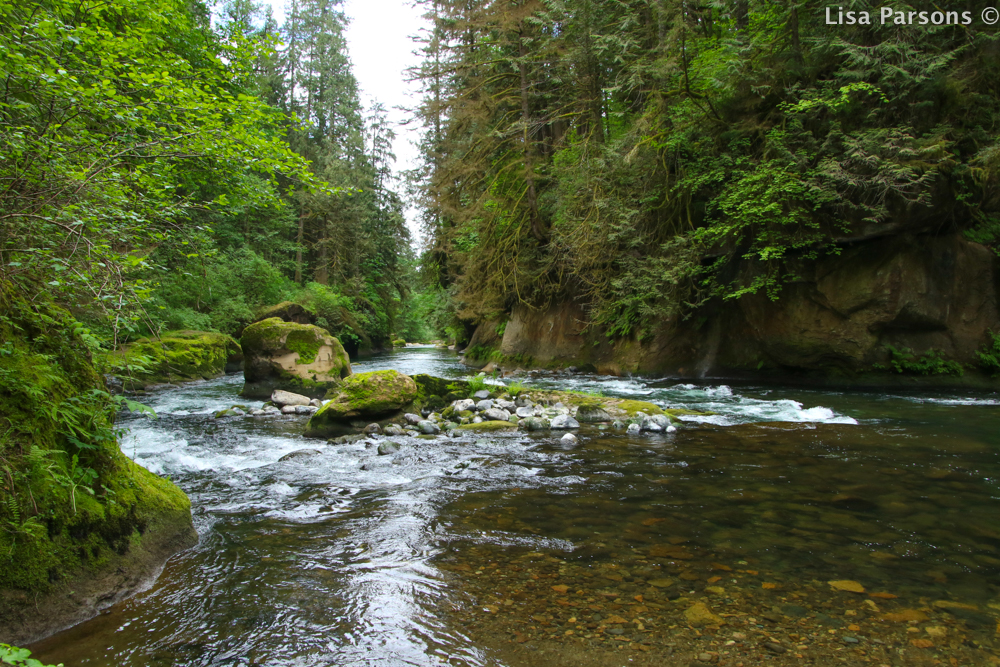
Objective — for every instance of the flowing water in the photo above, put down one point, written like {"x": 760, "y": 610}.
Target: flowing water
{"x": 427, "y": 556}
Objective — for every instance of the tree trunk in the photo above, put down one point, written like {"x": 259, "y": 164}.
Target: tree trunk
{"x": 298, "y": 247}
{"x": 322, "y": 274}
{"x": 529, "y": 172}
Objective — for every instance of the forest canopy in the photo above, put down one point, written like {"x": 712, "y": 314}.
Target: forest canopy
{"x": 170, "y": 167}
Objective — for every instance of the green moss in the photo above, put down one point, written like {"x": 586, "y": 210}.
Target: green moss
{"x": 175, "y": 356}
{"x": 488, "y": 426}
{"x": 631, "y": 407}
{"x": 304, "y": 343}
{"x": 56, "y": 425}
{"x": 365, "y": 395}
{"x": 435, "y": 386}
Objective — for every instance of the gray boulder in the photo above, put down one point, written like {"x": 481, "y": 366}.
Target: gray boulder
{"x": 569, "y": 439}
{"x": 524, "y": 412}
{"x": 372, "y": 429}
{"x": 503, "y": 404}
{"x": 281, "y": 398}
{"x": 523, "y": 402}
{"x": 633, "y": 429}
{"x": 393, "y": 429}
{"x": 484, "y": 405}
{"x": 481, "y": 394}
{"x": 496, "y": 415}
{"x": 412, "y": 418}
{"x": 464, "y": 404}
{"x": 564, "y": 422}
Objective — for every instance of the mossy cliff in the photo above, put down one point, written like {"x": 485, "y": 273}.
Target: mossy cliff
{"x": 177, "y": 356}
{"x": 300, "y": 358}
{"x": 848, "y": 320}
{"x": 82, "y": 525}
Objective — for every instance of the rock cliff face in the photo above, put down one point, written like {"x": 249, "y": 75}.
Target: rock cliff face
{"x": 837, "y": 322}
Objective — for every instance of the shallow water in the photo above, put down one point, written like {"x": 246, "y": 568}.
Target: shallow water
{"x": 350, "y": 558}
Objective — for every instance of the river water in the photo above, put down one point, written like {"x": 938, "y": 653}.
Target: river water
{"x": 345, "y": 557}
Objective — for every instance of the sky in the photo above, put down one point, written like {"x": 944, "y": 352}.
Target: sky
{"x": 381, "y": 49}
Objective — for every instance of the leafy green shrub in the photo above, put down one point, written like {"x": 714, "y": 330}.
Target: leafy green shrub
{"x": 905, "y": 362}
{"x": 19, "y": 657}
{"x": 989, "y": 355}
{"x": 515, "y": 388}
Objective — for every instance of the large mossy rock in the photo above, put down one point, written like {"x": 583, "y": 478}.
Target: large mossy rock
{"x": 177, "y": 356}
{"x": 363, "y": 397}
{"x": 66, "y": 558}
{"x": 300, "y": 358}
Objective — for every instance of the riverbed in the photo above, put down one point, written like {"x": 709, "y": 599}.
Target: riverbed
{"x": 492, "y": 550}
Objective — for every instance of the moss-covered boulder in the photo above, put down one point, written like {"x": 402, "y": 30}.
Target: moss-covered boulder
{"x": 176, "y": 356}
{"x": 300, "y": 358}
{"x": 84, "y": 526}
{"x": 361, "y": 397}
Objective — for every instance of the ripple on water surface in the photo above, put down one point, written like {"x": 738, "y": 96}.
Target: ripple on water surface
{"x": 453, "y": 551}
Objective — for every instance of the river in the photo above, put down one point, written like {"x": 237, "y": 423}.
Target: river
{"x": 451, "y": 551}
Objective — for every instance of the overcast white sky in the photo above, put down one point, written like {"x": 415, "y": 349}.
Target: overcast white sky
{"x": 381, "y": 49}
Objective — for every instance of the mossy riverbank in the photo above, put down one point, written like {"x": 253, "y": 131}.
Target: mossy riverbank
{"x": 83, "y": 526}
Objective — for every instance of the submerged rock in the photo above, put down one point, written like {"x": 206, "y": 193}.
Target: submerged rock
{"x": 569, "y": 439}
{"x": 300, "y": 454}
{"x": 300, "y": 358}
{"x": 387, "y": 447}
{"x": 428, "y": 427}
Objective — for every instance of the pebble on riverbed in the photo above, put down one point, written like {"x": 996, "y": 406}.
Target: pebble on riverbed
{"x": 589, "y": 611}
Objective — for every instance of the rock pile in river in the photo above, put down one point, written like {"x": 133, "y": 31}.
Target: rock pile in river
{"x": 428, "y": 406}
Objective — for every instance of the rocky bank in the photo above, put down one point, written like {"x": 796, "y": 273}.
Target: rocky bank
{"x": 926, "y": 296}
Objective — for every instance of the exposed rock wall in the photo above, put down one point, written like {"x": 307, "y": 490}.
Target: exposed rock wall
{"x": 919, "y": 292}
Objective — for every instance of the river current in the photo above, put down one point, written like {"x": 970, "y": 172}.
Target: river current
{"x": 345, "y": 557}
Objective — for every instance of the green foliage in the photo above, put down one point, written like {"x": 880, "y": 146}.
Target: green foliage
{"x": 515, "y": 388}
{"x": 117, "y": 124}
{"x": 476, "y": 383}
{"x": 644, "y": 159}
{"x": 69, "y": 500}
{"x": 989, "y": 355}
{"x": 20, "y": 657}
{"x": 905, "y": 361}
